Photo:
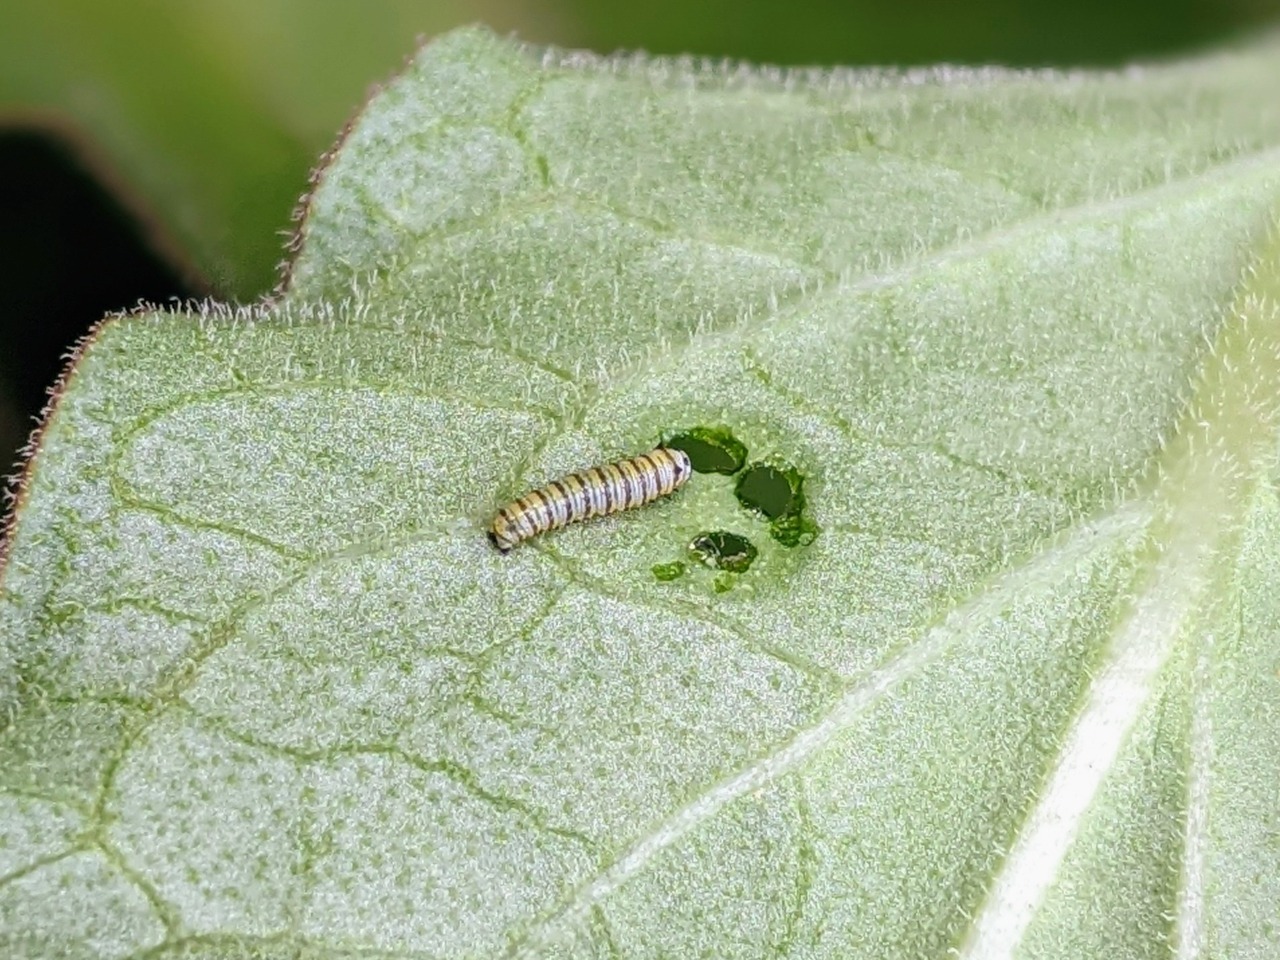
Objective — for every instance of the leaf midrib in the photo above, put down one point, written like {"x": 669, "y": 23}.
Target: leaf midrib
{"x": 1208, "y": 472}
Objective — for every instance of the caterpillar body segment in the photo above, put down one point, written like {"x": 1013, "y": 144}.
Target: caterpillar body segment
{"x": 593, "y": 492}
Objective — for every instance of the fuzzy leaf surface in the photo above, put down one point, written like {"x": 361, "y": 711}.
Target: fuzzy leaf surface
{"x": 268, "y": 690}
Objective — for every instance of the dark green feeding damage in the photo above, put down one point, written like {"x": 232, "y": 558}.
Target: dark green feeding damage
{"x": 794, "y": 530}
{"x": 775, "y": 490}
{"x": 772, "y": 489}
{"x": 724, "y": 551}
{"x": 768, "y": 489}
{"x": 711, "y": 449}
{"x": 666, "y": 572}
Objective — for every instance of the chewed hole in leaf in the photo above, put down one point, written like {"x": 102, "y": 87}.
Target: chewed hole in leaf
{"x": 775, "y": 490}
{"x": 711, "y": 449}
{"x": 724, "y": 551}
{"x": 769, "y": 489}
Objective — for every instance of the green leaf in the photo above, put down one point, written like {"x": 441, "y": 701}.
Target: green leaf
{"x": 1016, "y": 692}
{"x": 205, "y": 116}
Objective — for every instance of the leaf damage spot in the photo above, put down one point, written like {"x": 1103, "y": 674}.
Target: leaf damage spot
{"x": 711, "y": 449}
{"x": 666, "y": 572}
{"x": 724, "y": 551}
{"x": 775, "y": 490}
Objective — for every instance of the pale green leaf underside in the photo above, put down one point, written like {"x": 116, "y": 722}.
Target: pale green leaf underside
{"x": 268, "y": 690}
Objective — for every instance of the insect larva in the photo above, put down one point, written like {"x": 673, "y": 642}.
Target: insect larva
{"x": 591, "y": 493}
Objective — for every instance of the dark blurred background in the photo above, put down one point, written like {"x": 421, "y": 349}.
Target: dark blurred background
{"x": 152, "y": 150}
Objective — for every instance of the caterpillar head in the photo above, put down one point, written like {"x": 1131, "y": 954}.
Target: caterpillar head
{"x": 683, "y": 465}
{"x": 502, "y": 534}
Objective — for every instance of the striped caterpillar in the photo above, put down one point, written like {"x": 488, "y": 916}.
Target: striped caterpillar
{"x": 594, "y": 492}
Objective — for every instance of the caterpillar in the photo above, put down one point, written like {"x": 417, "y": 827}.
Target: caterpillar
{"x": 594, "y": 492}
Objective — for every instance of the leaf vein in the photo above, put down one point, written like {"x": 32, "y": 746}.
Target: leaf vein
{"x": 1072, "y": 547}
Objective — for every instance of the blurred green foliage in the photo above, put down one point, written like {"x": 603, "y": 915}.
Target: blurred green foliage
{"x": 201, "y": 119}
{"x": 1014, "y": 32}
